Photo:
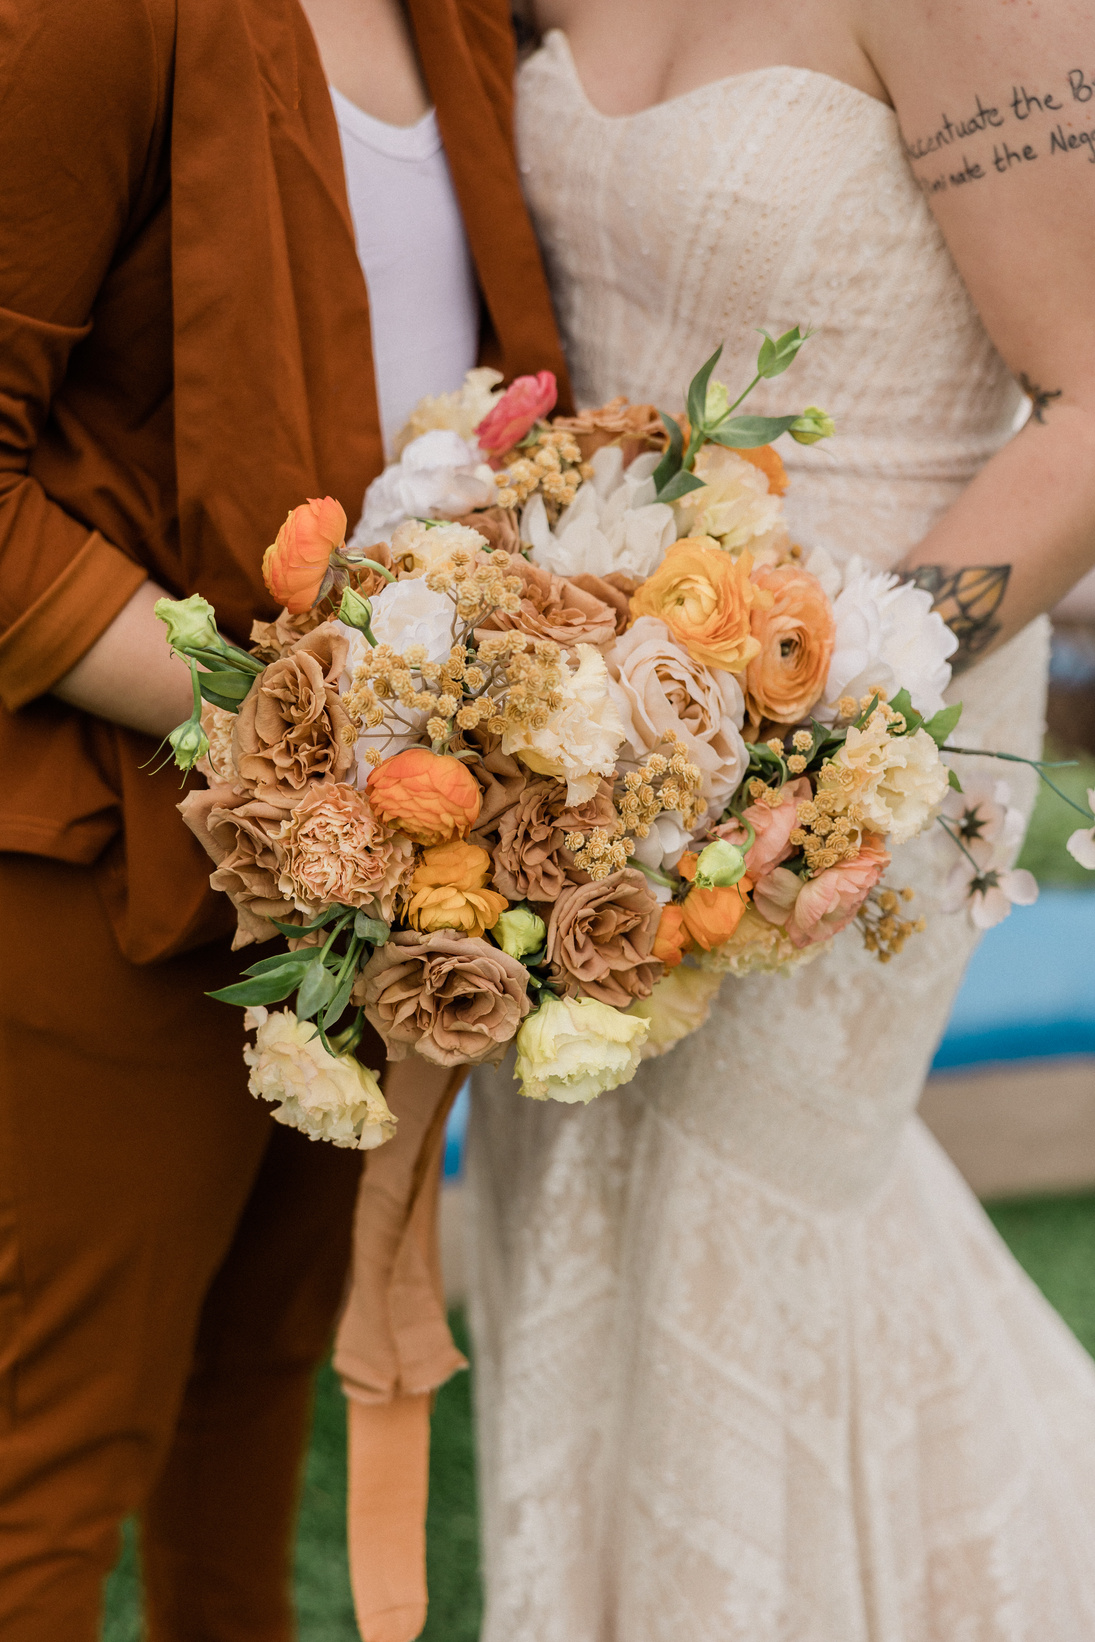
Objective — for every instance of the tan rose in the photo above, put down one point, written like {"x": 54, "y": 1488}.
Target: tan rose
{"x": 555, "y": 608}
{"x": 241, "y": 833}
{"x": 615, "y": 590}
{"x": 452, "y": 999}
{"x": 663, "y": 689}
{"x": 530, "y": 860}
{"x": 499, "y": 525}
{"x": 601, "y": 936}
{"x": 634, "y": 428}
{"x": 335, "y": 850}
{"x": 500, "y": 779}
{"x": 291, "y": 728}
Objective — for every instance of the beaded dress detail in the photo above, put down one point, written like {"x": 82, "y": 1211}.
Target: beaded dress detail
{"x": 752, "y": 1364}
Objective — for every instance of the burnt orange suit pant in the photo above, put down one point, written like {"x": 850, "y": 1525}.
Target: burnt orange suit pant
{"x": 171, "y": 1265}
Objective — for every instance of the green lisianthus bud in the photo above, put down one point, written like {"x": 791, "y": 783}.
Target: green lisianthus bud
{"x": 355, "y": 611}
{"x": 519, "y": 932}
{"x": 811, "y": 426}
{"x": 720, "y": 865}
{"x": 189, "y": 742}
{"x": 191, "y": 623}
{"x": 717, "y": 406}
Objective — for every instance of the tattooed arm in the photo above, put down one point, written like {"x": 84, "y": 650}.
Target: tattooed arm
{"x": 997, "y": 107}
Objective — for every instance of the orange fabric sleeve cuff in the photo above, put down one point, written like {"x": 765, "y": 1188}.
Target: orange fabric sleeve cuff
{"x": 65, "y": 621}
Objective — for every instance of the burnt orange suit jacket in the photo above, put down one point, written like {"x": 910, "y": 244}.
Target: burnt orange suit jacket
{"x": 185, "y": 355}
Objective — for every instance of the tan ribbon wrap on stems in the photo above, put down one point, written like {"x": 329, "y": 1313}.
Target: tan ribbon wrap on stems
{"x": 393, "y": 1350}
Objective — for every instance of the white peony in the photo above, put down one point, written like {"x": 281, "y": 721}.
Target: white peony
{"x": 678, "y": 1006}
{"x": 735, "y": 506}
{"x": 663, "y": 846}
{"x": 461, "y": 412}
{"x": 898, "y": 781}
{"x": 582, "y": 737}
{"x": 438, "y": 475}
{"x": 327, "y": 1097}
{"x": 612, "y": 524}
{"x": 1081, "y": 843}
{"x": 887, "y": 635}
{"x": 404, "y": 613}
{"x": 573, "y": 1049}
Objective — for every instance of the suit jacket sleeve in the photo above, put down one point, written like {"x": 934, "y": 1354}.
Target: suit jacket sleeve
{"x": 80, "y": 93}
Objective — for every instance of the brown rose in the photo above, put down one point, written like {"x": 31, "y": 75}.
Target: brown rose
{"x": 615, "y": 590}
{"x": 530, "y": 861}
{"x": 633, "y": 427}
{"x": 601, "y": 936}
{"x": 501, "y": 782}
{"x": 497, "y": 524}
{"x": 453, "y": 999}
{"x": 241, "y": 834}
{"x": 554, "y": 608}
{"x": 291, "y": 728}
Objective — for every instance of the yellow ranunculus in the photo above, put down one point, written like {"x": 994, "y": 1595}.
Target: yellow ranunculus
{"x": 705, "y": 598}
{"x": 448, "y": 891}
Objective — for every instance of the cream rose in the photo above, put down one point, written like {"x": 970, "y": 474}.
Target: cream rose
{"x": 328, "y": 1097}
{"x": 659, "y": 688}
{"x": 573, "y": 1049}
{"x": 677, "y": 1007}
{"x": 582, "y": 737}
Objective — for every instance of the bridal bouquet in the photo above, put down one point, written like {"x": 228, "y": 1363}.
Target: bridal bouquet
{"x": 569, "y": 730}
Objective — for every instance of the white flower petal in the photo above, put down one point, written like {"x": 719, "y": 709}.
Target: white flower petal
{"x": 1081, "y": 844}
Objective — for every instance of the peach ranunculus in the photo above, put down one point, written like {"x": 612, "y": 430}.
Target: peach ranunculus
{"x": 672, "y": 940}
{"x": 448, "y": 891}
{"x": 813, "y": 909}
{"x": 772, "y": 827}
{"x": 795, "y": 633}
{"x": 429, "y": 796}
{"x": 712, "y": 915}
{"x": 293, "y": 568}
{"x": 706, "y": 599}
{"x": 335, "y": 850}
{"x": 524, "y": 402}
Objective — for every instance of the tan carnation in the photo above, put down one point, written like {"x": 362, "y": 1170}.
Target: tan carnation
{"x": 634, "y": 428}
{"x": 452, "y": 999}
{"x": 291, "y": 728}
{"x": 600, "y": 939}
{"x": 335, "y": 850}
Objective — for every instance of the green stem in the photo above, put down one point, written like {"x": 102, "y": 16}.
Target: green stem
{"x": 340, "y": 925}
{"x": 654, "y": 875}
{"x": 371, "y": 564}
{"x": 196, "y": 715}
{"x": 1035, "y": 764}
{"x": 955, "y": 839}
{"x": 745, "y": 395}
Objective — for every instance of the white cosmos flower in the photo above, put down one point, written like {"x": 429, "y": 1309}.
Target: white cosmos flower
{"x": 612, "y": 524}
{"x": 1081, "y": 843}
{"x": 988, "y": 892}
{"x": 439, "y": 475}
{"x": 887, "y": 635}
{"x": 989, "y": 829}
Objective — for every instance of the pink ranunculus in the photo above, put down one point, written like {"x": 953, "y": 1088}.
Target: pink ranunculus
{"x": 773, "y": 828}
{"x": 816, "y": 908}
{"x": 525, "y": 400}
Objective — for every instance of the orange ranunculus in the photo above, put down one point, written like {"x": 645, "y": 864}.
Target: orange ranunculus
{"x": 706, "y": 599}
{"x": 524, "y": 402}
{"x": 294, "y": 567}
{"x": 795, "y": 634}
{"x": 712, "y": 915}
{"x": 429, "y": 796}
{"x": 448, "y": 891}
{"x": 770, "y": 463}
{"x": 672, "y": 940}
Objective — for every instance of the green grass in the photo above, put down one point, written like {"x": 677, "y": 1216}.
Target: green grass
{"x": 1044, "y": 852}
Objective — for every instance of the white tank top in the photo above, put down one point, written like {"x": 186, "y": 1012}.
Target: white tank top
{"x": 414, "y": 253}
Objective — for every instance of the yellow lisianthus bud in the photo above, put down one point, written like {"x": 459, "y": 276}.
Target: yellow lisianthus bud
{"x": 520, "y": 932}
{"x": 720, "y": 865}
{"x": 356, "y": 611}
{"x": 188, "y": 742}
{"x": 191, "y": 623}
{"x": 812, "y": 425}
{"x": 717, "y": 404}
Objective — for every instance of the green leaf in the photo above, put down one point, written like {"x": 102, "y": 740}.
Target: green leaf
{"x": 295, "y": 931}
{"x": 747, "y": 432}
{"x": 902, "y": 703}
{"x": 271, "y": 987}
{"x": 340, "y": 999}
{"x": 229, "y": 703}
{"x": 679, "y": 486}
{"x": 697, "y": 391}
{"x": 279, "y": 961}
{"x": 953, "y": 781}
{"x": 776, "y": 354}
{"x": 374, "y": 930}
{"x": 228, "y": 683}
{"x": 671, "y": 461}
{"x": 940, "y": 726}
{"x": 316, "y": 990}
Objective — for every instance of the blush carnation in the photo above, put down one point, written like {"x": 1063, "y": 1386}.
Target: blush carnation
{"x": 335, "y": 850}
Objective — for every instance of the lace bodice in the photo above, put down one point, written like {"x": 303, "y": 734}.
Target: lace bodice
{"x": 752, "y": 1364}
{"x": 775, "y": 198}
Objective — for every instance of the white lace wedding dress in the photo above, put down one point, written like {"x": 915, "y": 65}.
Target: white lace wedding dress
{"x": 752, "y": 1364}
